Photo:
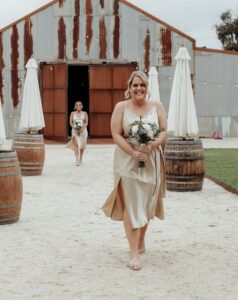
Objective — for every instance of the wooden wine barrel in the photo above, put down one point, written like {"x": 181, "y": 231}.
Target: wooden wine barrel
{"x": 184, "y": 165}
{"x": 10, "y": 187}
{"x": 30, "y": 150}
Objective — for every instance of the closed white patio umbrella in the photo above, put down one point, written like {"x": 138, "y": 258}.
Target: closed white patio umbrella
{"x": 182, "y": 118}
{"x": 153, "y": 85}
{"x": 2, "y": 127}
{"x": 32, "y": 118}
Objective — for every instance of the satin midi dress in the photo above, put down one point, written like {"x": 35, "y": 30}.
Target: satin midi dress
{"x": 82, "y": 137}
{"x": 141, "y": 190}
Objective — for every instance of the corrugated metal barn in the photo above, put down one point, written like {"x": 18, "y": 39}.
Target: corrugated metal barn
{"x": 86, "y": 50}
{"x": 216, "y": 91}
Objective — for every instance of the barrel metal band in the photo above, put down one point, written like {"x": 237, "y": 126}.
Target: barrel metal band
{"x": 9, "y": 165}
{"x": 30, "y": 163}
{"x": 32, "y": 148}
{"x": 13, "y": 173}
{"x": 17, "y": 203}
{"x": 184, "y": 158}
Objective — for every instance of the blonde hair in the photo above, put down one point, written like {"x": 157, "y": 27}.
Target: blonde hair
{"x": 134, "y": 74}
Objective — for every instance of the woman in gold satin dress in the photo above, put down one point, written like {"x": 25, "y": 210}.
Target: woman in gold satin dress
{"x": 138, "y": 193}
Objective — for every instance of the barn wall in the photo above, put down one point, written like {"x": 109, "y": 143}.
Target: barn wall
{"x": 81, "y": 31}
{"x": 216, "y": 92}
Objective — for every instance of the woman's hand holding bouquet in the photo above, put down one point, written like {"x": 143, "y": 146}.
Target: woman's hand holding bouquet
{"x": 78, "y": 125}
{"x": 142, "y": 133}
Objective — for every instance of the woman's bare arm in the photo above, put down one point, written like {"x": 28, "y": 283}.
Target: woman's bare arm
{"x": 86, "y": 119}
{"x": 117, "y": 133}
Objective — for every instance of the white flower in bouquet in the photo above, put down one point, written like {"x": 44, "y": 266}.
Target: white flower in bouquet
{"x": 134, "y": 129}
{"x": 149, "y": 130}
{"x": 142, "y": 132}
{"x": 78, "y": 124}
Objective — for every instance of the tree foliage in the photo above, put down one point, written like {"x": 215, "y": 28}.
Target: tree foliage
{"x": 227, "y": 31}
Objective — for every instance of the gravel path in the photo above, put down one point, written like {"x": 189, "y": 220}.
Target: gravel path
{"x": 61, "y": 250}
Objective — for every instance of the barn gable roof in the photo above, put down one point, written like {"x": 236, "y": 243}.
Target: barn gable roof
{"x": 52, "y": 2}
{"x": 122, "y": 1}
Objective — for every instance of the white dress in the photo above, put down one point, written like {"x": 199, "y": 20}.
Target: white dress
{"x": 141, "y": 190}
{"x": 82, "y": 137}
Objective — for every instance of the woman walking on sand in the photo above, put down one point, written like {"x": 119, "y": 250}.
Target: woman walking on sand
{"x": 78, "y": 121}
{"x": 137, "y": 196}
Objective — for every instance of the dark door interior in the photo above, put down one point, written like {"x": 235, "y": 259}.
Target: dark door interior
{"x": 78, "y": 89}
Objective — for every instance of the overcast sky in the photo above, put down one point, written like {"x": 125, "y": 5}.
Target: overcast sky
{"x": 195, "y": 18}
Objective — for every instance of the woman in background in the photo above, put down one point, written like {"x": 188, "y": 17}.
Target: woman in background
{"x": 78, "y": 121}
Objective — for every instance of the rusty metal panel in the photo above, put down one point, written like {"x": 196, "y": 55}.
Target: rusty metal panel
{"x": 89, "y": 37}
{"x": 117, "y": 96}
{"x": 100, "y": 77}
{"x": 130, "y": 50}
{"x": 48, "y": 101}
{"x": 100, "y": 125}
{"x": 107, "y": 85}
{"x": 60, "y": 76}
{"x": 60, "y": 126}
{"x": 2, "y": 65}
{"x": 112, "y": 42}
{"x": 7, "y": 106}
{"x": 76, "y": 28}
{"x": 64, "y": 10}
{"x": 60, "y": 103}
{"x": 120, "y": 76}
{"x": 105, "y": 7}
{"x": 44, "y": 27}
{"x": 64, "y": 38}
{"x": 149, "y": 40}
{"x": 28, "y": 40}
{"x": 47, "y": 76}
{"x": 98, "y": 8}
{"x": 100, "y": 101}
{"x": 54, "y": 98}
{"x": 49, "y": 124}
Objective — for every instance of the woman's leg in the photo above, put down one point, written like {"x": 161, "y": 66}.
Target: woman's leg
{"x": 133, "y": 239}
{"x": 142, "y": 232}
{"x": 76, "y": 150}
{"x": 81, "y": 154}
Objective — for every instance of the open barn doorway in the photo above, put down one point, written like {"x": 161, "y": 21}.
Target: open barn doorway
{"x": 78, "y": 88}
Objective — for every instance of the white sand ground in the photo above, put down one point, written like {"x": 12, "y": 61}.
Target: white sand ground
{"x": 61, "y": 250}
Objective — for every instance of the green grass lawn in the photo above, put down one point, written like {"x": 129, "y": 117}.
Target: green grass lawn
{"x": 222, "y": 164}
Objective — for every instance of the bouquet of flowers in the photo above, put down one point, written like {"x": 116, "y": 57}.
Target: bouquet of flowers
{"x": 142, "y": 132}
{"x": 78, "y": 124}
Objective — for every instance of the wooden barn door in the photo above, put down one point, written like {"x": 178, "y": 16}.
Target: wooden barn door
{"x": 54, "y": 100}
{"x": 107, "y": 85}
